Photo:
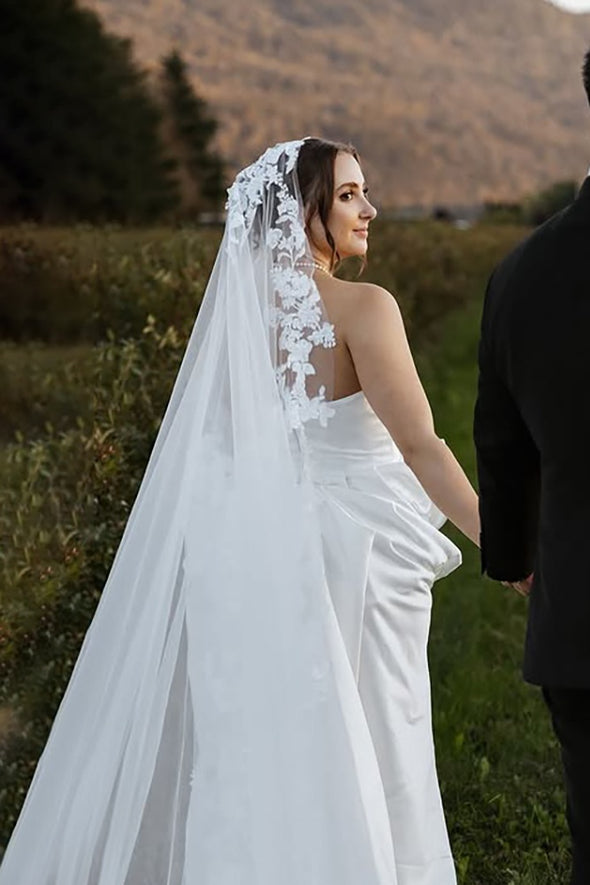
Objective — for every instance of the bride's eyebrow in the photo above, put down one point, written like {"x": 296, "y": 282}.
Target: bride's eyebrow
{"x": 351, "y": 184}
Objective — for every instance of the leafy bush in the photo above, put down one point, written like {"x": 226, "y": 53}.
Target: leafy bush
{"x": 44, "y": 388}
{"x": 534, "y": 209}
{"x": 503, "y": 213}
{"x": 64, "y": 501}
{"x": 68, "y": 286}
{"x": 543, "y": 205}
{"x": 69, "y": 289}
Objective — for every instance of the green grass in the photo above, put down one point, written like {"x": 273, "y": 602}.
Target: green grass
{"x": 498, "y": 760}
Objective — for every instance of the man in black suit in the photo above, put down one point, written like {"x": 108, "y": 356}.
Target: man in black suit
{"x": 532, "y": 436}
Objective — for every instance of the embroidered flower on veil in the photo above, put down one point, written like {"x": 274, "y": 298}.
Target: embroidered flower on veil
{"x": 264, "y": 203}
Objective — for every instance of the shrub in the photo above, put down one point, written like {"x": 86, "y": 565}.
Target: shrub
{"x": 64, "y": 501}
{"x": 69, "y": 286}
{"x": 543, "y": 205}
{"x": 44, "y": 388}
{"x": 503, "y": 213}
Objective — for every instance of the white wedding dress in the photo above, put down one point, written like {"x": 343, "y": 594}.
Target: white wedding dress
{"x": 251, "y": 704}
{"x": 382, "y": 551}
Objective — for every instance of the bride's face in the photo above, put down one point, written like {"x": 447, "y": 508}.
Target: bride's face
{"x": 350, "y": 215}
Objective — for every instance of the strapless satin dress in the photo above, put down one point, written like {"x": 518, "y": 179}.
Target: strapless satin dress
{"x": 383, "y": 551}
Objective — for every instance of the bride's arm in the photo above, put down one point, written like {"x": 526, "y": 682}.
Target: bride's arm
{"x": 376, "y": 338}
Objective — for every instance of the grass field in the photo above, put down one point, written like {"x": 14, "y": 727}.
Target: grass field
{"x": 498, "y": 761}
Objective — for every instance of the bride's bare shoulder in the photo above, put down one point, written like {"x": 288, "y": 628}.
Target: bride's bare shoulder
{"x": 366, "y": 298}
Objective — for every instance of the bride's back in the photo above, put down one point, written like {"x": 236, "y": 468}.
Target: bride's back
{"x": 342, "y": 301}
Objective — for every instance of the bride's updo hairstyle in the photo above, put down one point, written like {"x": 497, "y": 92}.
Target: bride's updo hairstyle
{"x": 315, "y": 173}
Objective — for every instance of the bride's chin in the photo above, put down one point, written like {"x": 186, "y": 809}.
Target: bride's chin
{"x": 354, "y": 251}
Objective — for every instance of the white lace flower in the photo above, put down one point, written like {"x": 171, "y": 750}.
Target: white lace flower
{"x": 269, "y": 185}
{"x": 273, "y": 238}
{"x": 309, "y": 314}
{"x": 299, "y": 352}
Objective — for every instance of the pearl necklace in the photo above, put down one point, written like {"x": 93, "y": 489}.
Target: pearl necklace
{"x": 317, "y": 266}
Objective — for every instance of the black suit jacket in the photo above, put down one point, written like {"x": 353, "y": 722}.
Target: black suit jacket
{"x": 532, "y": 436}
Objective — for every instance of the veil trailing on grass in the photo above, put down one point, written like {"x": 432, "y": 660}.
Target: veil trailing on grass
{"x": 211, "y": 732}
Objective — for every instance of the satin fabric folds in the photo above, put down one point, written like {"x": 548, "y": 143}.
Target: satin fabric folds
{"x": 383, "y": 550}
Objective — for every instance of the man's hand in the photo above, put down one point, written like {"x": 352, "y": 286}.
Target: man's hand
{"x": 523, "y": 587}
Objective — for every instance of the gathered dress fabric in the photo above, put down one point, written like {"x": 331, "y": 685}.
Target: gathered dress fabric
{"x": 383, "y": 550}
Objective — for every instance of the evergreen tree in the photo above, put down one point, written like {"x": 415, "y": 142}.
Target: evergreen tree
{"x": 79, "y": 131}
{"x": 194, "y": 128}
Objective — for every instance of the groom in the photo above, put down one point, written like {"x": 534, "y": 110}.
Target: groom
{"x": 532, "y": 436}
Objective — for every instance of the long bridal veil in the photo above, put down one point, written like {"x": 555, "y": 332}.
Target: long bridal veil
{"x": 211, "y": 732}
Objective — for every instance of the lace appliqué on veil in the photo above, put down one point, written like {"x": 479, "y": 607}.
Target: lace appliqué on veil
{"x": 270, "y": 184}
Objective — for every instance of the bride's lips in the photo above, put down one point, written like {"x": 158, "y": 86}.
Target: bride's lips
{"x": 361, "y": 232}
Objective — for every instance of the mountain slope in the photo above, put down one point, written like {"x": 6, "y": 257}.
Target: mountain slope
{"x": 448, "y": 102}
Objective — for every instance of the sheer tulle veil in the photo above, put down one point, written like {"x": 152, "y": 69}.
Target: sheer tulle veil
{"x": 211, "y": 732}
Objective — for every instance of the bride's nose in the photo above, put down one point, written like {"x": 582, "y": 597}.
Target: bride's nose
{"x": 368, "y": 211}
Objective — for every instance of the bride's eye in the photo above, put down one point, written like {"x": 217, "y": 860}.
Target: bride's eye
{"x": 346, "y": 196}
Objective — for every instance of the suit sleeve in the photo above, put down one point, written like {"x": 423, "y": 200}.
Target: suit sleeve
{"x": 508, "y": 475}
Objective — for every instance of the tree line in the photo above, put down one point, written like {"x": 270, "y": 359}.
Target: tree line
{"x": 86, "y": 135}
{"x": 534, "y": 209}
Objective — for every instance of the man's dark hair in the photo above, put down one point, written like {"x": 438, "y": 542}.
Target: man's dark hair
{"x": 586, "y": 74}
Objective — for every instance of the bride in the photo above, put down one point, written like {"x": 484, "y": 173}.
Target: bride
{"x": 251, "y": 704}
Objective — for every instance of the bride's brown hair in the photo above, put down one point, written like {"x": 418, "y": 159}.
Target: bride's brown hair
{"x": 315, "y": 173}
